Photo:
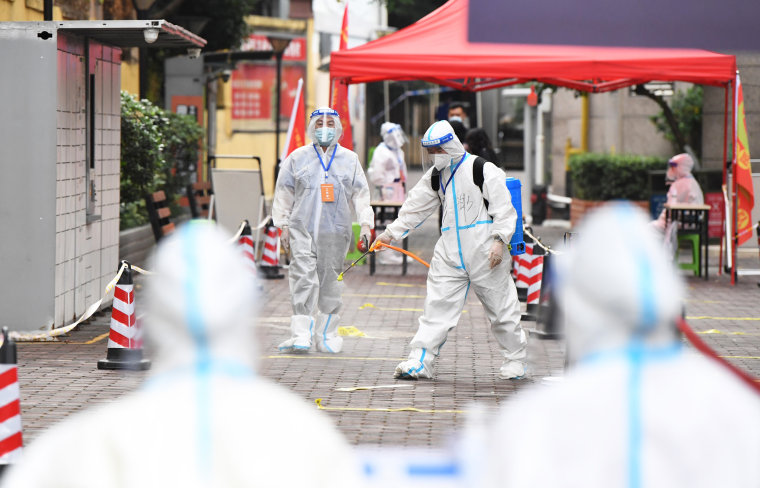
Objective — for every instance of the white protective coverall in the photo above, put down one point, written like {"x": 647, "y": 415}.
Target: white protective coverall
{"x": 387, "y": 169}
{"x": 684, "y": 188}
{"x": 461, "y": 257}
{"x": 319, "y": 232}
{"x": 203, "y": 418}
{"x": 636, "y": 408}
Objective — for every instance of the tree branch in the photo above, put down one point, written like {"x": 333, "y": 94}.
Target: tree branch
{"x": 668, "y": 112}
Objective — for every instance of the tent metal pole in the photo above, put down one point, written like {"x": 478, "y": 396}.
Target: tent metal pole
{"x": 723, "y": 163}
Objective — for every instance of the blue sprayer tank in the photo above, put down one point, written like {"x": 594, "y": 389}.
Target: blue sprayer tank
{"x": 516, "y": 244}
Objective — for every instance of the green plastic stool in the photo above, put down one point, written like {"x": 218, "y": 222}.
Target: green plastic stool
{"x": 694, "y": 264}
{"x": 353, "y": 253}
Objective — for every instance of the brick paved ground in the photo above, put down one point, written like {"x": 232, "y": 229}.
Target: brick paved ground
{"x": 60, "y": 378}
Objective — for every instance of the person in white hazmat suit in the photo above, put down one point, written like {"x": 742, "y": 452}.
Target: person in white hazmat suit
{"x": 636, "y": 408}
{"x": 468, "y": 255}
{"x": 203, "y": 418}
{"x": 684, "y": 188}
{"x": 387, "y": 169}
{"x": 318, "y": 186}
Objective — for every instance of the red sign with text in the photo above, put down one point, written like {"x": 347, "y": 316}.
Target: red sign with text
{"x": 715, "y": 220}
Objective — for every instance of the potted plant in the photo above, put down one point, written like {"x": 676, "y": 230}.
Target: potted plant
{"x": 598, "y": 178}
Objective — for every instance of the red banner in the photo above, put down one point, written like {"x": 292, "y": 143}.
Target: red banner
{"x": 745, "y": 191}
{"x": 297, "y": 128}
{"x": 339, "y": 92}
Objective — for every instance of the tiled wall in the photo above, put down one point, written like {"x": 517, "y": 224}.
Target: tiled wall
{"x": 86, "y": 246}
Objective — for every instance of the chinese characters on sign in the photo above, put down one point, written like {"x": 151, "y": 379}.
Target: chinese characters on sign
{"x": 254, "y": 85}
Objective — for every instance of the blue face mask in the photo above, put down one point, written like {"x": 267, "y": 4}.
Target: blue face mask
{"x": 325, "y": 135}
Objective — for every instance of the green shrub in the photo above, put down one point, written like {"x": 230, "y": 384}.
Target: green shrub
{"x": 608, "y": 177}
{"x": 159, "y": 149}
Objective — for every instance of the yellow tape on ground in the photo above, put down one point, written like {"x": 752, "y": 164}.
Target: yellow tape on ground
{"x": 318, "y": 401}
{"x": 308, "y": 356}
{"x": 709, "y": 317}
{"x": 43, "y": 336}
{"x": 350, "y": 331}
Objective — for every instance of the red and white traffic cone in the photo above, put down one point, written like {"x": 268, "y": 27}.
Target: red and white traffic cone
{"x": 529, "y": 275}
{"x": 246, "y": 247}
{"x": 125, "y": 338}
{"x": 10, "y": 405}
{"x": 270, "y": 263}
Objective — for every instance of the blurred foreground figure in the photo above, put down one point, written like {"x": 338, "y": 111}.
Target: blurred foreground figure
{"x": 203, "y": 419}
{"x": 636, "y": 408}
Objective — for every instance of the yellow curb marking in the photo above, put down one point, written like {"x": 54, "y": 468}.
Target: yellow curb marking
{"x": 709, "y": 317}
{"x": 741, "y": 357}
{"x": 306, "y": 356}
{"x": 318, "y": 401}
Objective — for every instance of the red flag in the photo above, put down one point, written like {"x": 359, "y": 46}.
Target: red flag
{"x": 339, "y": 91}
{"x": 297, "y": 128}
{"x": 745, "y": 192}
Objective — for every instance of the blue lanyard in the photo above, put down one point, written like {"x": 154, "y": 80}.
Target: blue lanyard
{"x": 453, "y": 172}
{"x": 320, "y": 159}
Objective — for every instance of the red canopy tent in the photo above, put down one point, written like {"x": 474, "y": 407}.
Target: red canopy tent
{"x": 436, "y": 49}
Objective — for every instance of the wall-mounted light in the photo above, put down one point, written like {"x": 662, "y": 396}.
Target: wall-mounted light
{"x": 193, "y": 52}
{"x": 150, "y": 35}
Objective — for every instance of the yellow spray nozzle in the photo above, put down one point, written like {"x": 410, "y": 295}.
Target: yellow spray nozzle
{"x": 340, "y": 277}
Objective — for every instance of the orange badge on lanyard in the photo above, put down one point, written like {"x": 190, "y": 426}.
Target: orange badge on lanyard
{"x": 327, "y": 191}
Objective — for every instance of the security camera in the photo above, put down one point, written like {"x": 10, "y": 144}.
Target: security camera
{"x": 150, "y": 35}
{"x": 226, "y": 75}
{"x": 193, "y": 52}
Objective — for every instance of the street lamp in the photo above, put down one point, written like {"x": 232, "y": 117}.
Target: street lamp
{"x": 279, "y": 44}
{"x": 142, "y": 7}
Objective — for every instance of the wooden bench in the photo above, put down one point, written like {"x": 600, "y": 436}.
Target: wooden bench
{"x": 159, "y": 214}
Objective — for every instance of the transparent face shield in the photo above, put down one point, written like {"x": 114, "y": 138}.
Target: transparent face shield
{"x": 396, "y": 138}
{"x": 433, "y": 155}
{"x": 323, "y": 127}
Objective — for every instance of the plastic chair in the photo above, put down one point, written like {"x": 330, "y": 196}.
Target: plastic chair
{"x": 694, "y": 265}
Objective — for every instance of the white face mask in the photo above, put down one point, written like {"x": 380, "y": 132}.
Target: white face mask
{"x": 325, "y": 135}
{"x": 440, "y": 161}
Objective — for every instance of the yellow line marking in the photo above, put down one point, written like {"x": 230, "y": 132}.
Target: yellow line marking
{"x": 716, "y": 331}
{"x": 376, "y": 295}
{"x": 741, "y": 357}
{"x": 318, "y": 401}
{"x": 65, "y": 342}
{"x": 709, "y": 317}
{"x": 389, "y": 309}
{"x": 306, "y": 356}
{"x": 98, "y": 338}
{"x": 403, "y": 285}
{"x": 378, "y": 387}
